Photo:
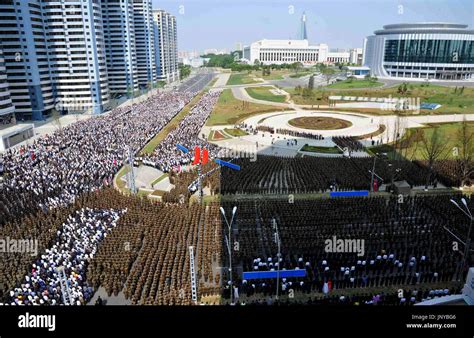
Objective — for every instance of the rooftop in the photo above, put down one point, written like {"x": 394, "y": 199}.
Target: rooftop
{"x": 421, "y": 27}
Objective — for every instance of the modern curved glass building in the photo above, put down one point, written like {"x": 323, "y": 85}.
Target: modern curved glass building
{"x": 443, "y": 51}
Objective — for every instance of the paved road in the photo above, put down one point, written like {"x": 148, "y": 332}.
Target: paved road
{"x": 112, "y": 300}
{"x": 197, "y": 82}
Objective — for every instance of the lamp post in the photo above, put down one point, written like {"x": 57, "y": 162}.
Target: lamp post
{"x": 468, "y": 213}
{"x": 372, "y": 175}
{"x": 229, "y": 247}
{"x": 278, "y": 242}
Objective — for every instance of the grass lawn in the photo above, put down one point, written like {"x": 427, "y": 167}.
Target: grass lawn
{"x": 263, "y": 93}
{"x": 207, "y": 199}
{"x": 413, "y": 147}
{"x": 383, "y": 148}
{"x": 319, "y": 123}
{"x": 241, "y": 78}
{"x": 452, "y": 103}
{"x": 121, "y": 184}
{"x": 348, "y": 84}
{"x": 173, "y": 124}
{"x": 324, "y": 150}
{"x": 448, "y": 133}
{"x": 276, "y": 74}
{"x": 235, "y": 132}
{"x": 143, "y": 193}
{"x": 217, "y": 135}
{"x": 319, "y": 97}
{"x": 211, "y": 84}
{"x": 230, "y": 110}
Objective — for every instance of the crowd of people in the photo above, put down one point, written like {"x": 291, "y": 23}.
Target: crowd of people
{"x": 121, "y": 243}
{"x": 274, "y": 175}
{"x": 147, "y": 255}
{"x": 185, "y": 183}
{"x": 289, "y": 132}
{"x": 54, "y": 169}
{"x": 56, "y": 190}
{"x": 452, "y": 172}
{"x": 404, "y": 244}
{"x": 7, "y": 119}
{"x": 167, "y": 156}
{"x": 303, "y": 134}
{"x": 75, "y": 245}
{"x": 348, "y": 142}
{"x": 391, "y": 298}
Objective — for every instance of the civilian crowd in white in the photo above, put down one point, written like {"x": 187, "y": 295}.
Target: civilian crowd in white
{"x": 55, "y": 169}
{"x": 167, "y": 156}
{"x": 76, "y": 244}
{"x": 86, "y": 155}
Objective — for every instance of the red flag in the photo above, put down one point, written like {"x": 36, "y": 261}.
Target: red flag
{"x": 205, "y": 156}
{"x": 376, "y": 185}
{"x": 197, "y": 155}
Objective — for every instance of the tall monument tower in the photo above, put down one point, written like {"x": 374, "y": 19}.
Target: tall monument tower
{"x": 303, "y": 31}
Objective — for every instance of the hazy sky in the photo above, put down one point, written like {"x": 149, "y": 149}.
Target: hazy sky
{"x": 220, "y": 24}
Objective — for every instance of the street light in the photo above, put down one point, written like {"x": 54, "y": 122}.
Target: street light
{"x": 229, "y": 247}
{"x": 467, "y": 245}
{"x": 277, "y": 240}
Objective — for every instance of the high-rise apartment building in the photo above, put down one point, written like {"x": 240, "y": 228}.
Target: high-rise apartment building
{"x": 24, "y": 40}
{"x": 144, "y": 42}
{"x": 120, "y": 47}
{"x": 6, "y": 106}
{"x": 166, "y": 46}
{"x": 72, "y": 56}
{"x": 76, "y": 46}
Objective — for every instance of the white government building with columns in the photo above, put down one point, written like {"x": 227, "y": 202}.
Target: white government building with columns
{"x": 289, "y": 51}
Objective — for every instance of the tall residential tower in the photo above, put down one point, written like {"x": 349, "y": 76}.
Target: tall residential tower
{"x": 166, "y": 46}
{"x": 144, "y": 42}
{"x": 120, "y": 46}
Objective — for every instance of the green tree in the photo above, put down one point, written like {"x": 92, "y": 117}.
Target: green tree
{"x": 129, "y": 91}
{"x": 298, "y": 90}
{"x": 465, "y": 151}
{"x": 311, "y": 82}
{"x": 56, "y": 116}
{"x": 296, "y": 66}
{"x": 184, "y": 71}
{"x": 328, "y": 73}
{"x": 433, "y": 148}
